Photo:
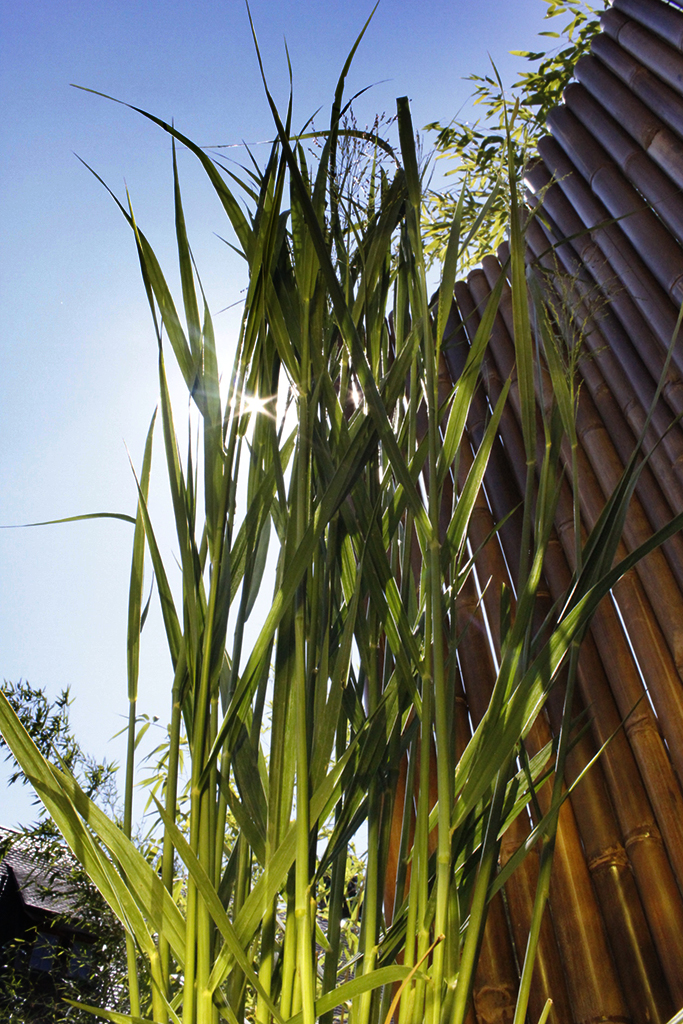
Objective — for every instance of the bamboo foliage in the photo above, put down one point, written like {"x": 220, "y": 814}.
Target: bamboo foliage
{"x": 371, "y": 496}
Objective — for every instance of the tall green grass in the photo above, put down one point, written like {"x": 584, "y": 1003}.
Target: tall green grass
{"x": 244, "y": 915}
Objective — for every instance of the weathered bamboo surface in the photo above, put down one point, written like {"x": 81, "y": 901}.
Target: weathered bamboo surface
{"x": 606, "y": 245}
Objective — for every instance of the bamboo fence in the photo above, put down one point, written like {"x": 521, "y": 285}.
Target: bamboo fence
{"x": 605, "y": 243}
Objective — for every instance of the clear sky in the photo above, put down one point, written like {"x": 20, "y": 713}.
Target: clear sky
{"x": 77, "y": 353}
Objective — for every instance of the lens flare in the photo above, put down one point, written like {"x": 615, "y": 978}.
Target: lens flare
{"x": 254, "y": 404}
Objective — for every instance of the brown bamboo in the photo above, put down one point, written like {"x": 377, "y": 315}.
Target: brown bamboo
{"x": 520, "y": 892}
{"x": 644, "y": 632}
{"x": 665, "y": 575}
{"x": 592, "y": 981}
{"x": 626, "y": 682}
{"x": 620, "y": 903}
{"x": 620, "y": 911}
{"x": 478, "y": 418}
{"x": 648, "y": 490}
{"x": 663, "y": 145}
{"x": 641, "y": 974}
{"x": 495, "y": 985}
{"x": 633, "y": 390}
{"x": 636, "y": 278}
{"x": 611, "y": 394}
{"x": 611, "y": 296}
{"x": 654, "y": 637}
{"x": 660, "y": 99}
{"x": 661, "y": 898}
{"x": 659, "y": 18}
{"x": 496, "y": 981}
{"x": 598, "y": 444}
{"x": 607, "y": 468}
{"x": 604, "y": 413}
{"x": 641, "y": 725}
{"x": 479, "y": 674}
{"x": 652, "y": 52}
{"x": 637, "y": 265}
{"x": 570, "y": 847}
{"x": 548, "y": 977}
{"x": 662, "y": 196}
{"x": 632, "y": 943}
{"x": 659, "y": 893}
{"x": 647, "y": 234}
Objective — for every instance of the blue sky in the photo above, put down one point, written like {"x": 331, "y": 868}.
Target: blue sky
{"x": 77, "y": 352}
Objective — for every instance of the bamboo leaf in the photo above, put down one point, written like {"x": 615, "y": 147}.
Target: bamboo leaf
{"x": 73, "y": 519}
{"x": 186, "y": 271}
{"x": 136, "y": 574}
{"x": 346, "y": 325}
{"x": 112, "y": 1015}
{"x": 467, "y": 383}
{"x": 230, "y": 204}
{"x": 449, "y": 272}
{"x": 49, "y": 785}
{"x": 168, "y": 610}
{"x": 350, "y": 989}
{"x": 456, "y": 533}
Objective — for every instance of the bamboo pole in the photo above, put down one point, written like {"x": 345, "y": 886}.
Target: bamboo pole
{"x": 618, "y": 908}
{"x": 575, "y": 912}
{"x": 642, "y": 840}
{"x": 607, "y": 858}
{"x": 601, "y": 472}
{"x": 511, "y": 526}
{"x": 592, "y": 982}
{"x": 659, "y": 18}
{"x": 479, "y": 674}
{"x": 495, "y": 983}
{"x": 640, "y": 971}
{"x": 476, "y": 662}
{"x": 661, "y": 194}
{"x": 664, "y": 943}
{"x": 654, "y": 637}
{"x": 624, "y": 675}
{"x": 620, "y": 904}
{"x": 660, "y": 99}
{"x": 648, "y": 130}
{"x": 614, "y": 299}
{"x": 654, "y": 244}
{"x": 654, "y": 54}
{"x": 633, "y": 390}
{"x": 657, "y": 885}
{"x": 642, "y": 727}
{"x": 606, "y": 460}
{"x": 634, "y": 276}
{"x": 610, "y": 395}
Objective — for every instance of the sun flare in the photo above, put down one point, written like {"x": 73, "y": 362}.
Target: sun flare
{"x": 254, "y": 404}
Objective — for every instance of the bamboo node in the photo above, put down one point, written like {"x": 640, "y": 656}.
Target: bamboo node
{"x": 641, "y": 835}
{"x": 641, "y": 723}
{"x": 612, "y": 857}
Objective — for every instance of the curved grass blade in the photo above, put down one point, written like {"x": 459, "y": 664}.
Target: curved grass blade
{"x": 73, "y": 519}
